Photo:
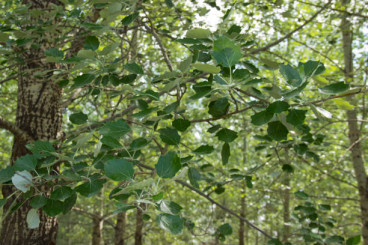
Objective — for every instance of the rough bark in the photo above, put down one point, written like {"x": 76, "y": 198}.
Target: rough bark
{"x": 286, "y": 201}
{"x": 138, "y": 236}
{"x": 120, "y": 229}
{"x": 354, "y": 131}
{"x": 97, "y": 231}
{"x": 39, "y": 115}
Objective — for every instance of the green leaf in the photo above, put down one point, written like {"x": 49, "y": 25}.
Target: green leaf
{"x": 218, "y": 107}
{"x": 301, "y": 195}
{"x": 82, "y": 80}
{"x": 278, "y": 107}
{"x": 274, "y": 241}
{"x": 207, "y": 68}
{"x": 295, "y": 92}
{"x": 170, "y": 207}
{"x": 185, "y": 64}
{"x": 194, "y": 176}
{"x": 78, "y": 118}
{"x": 170, "y": 136}
{"x": 312, "y": 68}
{"x": 109, "y": 48}
{"x": 335, "y": 240}
{"x": 291, "y": 75}
{"x": 69, "y": 203}
{"x": 53, "y": 207}
{"x": 226, "y": 135}
{"x": 22, "y": 180}
{"x": 27, "y": 162}
{"x": 262, "y": 117}
{"x": 198, "y": 33}
{"x": 33, "y": 220}
{"x": 86, "y": 54}
{"x": 171, "y": 223}
{"x": 61, "y": 193}
{"x": 138, "y": 143}
{"x": 168, "y": 165}
{"x": 204, "y": 149}
{"x": 335, "y": 88}
{"x": 111, "y": 142}
{"x": 226, "y": 52}
{"x": 119, "y": 169}
{"x": 38, "y": 202}
{"x": 54, "y": 52}
{"x": 277, "y": 131}
{"x": 129, "y": 19}
{"x": 181, "y": 124}
{"x": 91, "y": 43}
{"x": 158, "y": 196}
{"x": 43, "y": 148}
{"x": 225, "y": 230}
{"x": 90, "y": 188}
{"x": 6, "y": 174}
{"x": 134, "y": 68}
{"x": 169, "y": 3}
{"x": 355, "y": 240}
{"x": 115, "y": 129}
{"x": 225, "y": 153}
{"x": 213, "y": 129}
{"x": 296, "y": 117}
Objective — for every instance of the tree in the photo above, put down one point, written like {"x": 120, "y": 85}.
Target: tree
{"x": 131, "y": 100}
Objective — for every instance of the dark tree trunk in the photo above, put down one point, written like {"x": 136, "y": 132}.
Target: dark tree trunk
{"x": 38, "y": 114}
{"x": 139, "y": 226}
{"x": 120, "y": 229}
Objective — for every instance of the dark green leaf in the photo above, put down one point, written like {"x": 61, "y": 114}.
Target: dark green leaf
{"x": 54, "y": 52}
{"x": 277, "y": 131}
{"x": 296, "y": 117}
{"x": 78, "y": 118}
{"x": 111, "y": 142}
{"x": 61, "y": 193}
{"x": 138, "y": 143}
{"x": 204, "y": 149}
{"x": 218, "y": 107}
{"x": 181, "y": 124}
{"x": 301, "y": 195}
{"x": 170, "y": 136}
{"x": 69, "y": 203}
{"x": 27, "y": 162}
{"x": 115, "y": 129}
{"x": 38, "y": 202}
{"x": 43, "y": 148}
{"x": 6, "y": 174}
{"x": 91, "y": 43}
{"x": 194, "y": 176}
{"x": 119, "y": 169}
{"x": 249, "y": 182}
{"x": 262, "y": 117}
{"x": 225, "y": 153}
{"x": 312, "y": 68}
{"x": 335, "y": 88}
{"x": 129, "y": 19}
{"x": 295, "y": 92}
{"x": 225, "y": 229}
{"x": 82, "y": 80}
{"x": 168, "y": 165}
{"x": 169, "y": 3}
{"x": 90, "y": 188}
{"x": 53, "y": 207}
{"x": 171, "y": 223}
{"x": 274, "y": 241}
{"x": 170, "y": 207}
{"x": 226, "y": 135}
{"x": 335, "y": 240}
{"x": 134, "y": 68}
{"x": 291, "y": 75}
{"x": 278, "y": 107}
{"x": 158, "y": 196}
{"x": 213, "y": 129}
{"x": 355, "y": 240}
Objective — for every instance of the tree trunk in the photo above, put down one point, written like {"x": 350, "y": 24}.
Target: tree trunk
{"x": 242, "y": 214}
{"x": 97, "y": 231}
{"x": 120, "y": 229}
{"x": 286, "y": 201}
{"x": 38, "y": 114}
{"x": 139, "y": 226}
{"x": 354, "y": 131}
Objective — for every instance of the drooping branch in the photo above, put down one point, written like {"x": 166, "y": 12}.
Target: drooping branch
{"x": 17, "y": 132}
{"x": 292, "y": 32}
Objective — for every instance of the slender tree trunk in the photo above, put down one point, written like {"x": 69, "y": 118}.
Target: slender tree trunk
{"x": 120, "y": 229}
{"x": 97, "y": 231}
{"x": 286, "y": 201}
{"x": 139, "y": 226}
{"x": 38, "y": 114}
{"x": 354, "y": 131}
{"x": 242, "y": 214}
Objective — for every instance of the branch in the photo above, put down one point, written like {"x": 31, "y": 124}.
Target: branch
{"x": 292, "y": 32}
{"x": 17, "y": 132}
{"x": 222, "y": 117}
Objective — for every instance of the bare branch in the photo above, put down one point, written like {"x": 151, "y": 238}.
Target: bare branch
{"x": 292, "y": 32}
{"x": 17, "y": 132}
